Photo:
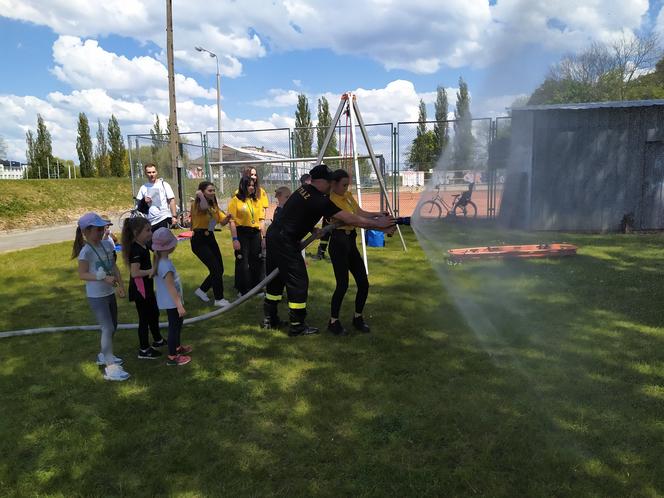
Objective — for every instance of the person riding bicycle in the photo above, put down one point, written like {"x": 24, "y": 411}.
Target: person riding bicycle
{"x": 156, "y": 199}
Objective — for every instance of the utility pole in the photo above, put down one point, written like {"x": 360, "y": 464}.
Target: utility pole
{"x": 174, "y": 138}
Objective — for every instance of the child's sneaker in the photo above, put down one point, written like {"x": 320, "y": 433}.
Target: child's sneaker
{"x": 148, "y": 354}
{"x": 202, "y": 295}
{"x": 184, "y": 349}
{"x": 177, "y": 360}
{"x": 101, "y": 361}
{"x": 115, "y": 373}
{"x": 160, "y": 344}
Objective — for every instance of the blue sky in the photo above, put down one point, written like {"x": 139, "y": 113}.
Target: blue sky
{"x": 64, "y": 57}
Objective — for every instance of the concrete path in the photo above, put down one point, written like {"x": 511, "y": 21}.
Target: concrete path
{"x": 14, "y": 240}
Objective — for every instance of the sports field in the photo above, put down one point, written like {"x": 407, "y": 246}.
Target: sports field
{"x": 512, "y": 378}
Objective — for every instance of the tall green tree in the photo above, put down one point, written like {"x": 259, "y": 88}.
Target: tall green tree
{"x": 33, "y": 170}
{"x": 43, "y": 151}
{"x": 84, "y": 147}
{"x": 116, "y": 148}
{"x": 440, "y": 128}
{"x": 324, "y": 122}
{"x": 423, "y": 151}
{"x": 422, "y": 119}
{"x": 303, "y": 133}
{"x": 101, "y": 152}
{"x": 156, "y": 134}
{"x": 463, "y": 128}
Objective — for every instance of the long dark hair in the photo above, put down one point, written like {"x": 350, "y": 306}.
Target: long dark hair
{"x": 131, "y": 228}
{"x": 79, "y": 242}
{"x": 257, "y": 184}
{"x": 243, "y": 189}
{"x": 202, "y": 186}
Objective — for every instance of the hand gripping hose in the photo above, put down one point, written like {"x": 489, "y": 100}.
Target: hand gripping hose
{"x": 205, "y": 316}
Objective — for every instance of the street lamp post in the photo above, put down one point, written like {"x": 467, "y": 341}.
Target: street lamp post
{"x": 221, "y": 168}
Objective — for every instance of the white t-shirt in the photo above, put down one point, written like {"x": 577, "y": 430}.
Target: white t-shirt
{"x": 101, "y": 260}
{"x": 164, "y": 299}
{"x": 160, "y": 192}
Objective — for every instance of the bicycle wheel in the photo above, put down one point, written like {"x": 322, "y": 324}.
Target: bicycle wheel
{"x": 430, "y": 209}
{"x": 469, "y": 210}
{"x": 123, "y": 216}
{"x": 184, "y": 220}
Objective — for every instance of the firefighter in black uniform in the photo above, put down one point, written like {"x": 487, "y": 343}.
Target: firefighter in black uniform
{"x": 302, "y": 211}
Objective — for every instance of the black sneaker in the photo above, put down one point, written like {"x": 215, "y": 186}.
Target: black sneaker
{"x": 360, "y": 324}
{"x": 160, "y": 344}
{"x": 336, "y": 328}
{"x": 148, "y": 354}
{"x": 301, "y": 329}
{"x": 272, "y": 323}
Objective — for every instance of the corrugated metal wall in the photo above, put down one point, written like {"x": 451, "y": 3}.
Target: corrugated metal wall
{"x": 586, "y": 168}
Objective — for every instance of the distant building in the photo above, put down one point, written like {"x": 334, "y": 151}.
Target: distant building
{"x": 12, "y": 170}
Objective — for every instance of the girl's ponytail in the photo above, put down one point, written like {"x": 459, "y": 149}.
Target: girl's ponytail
{"x": 79, "y": 242}
{"x": 131, "y": 228}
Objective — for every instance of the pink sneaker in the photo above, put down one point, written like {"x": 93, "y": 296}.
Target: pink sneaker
{"x": 184, "y": 349}
{"x": 177, "y": 360}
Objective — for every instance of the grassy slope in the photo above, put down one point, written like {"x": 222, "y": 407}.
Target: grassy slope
{"x": 43, "y": 202}
{"x": 526, "y": 378}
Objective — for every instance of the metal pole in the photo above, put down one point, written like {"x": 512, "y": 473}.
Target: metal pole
{"x": 219, "y": 134}
{"x": 48, "y": 168}
{"x": 358, "y": 180}
{"x": 171, "y": 90}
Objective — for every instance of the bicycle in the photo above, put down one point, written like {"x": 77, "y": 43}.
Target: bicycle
{"x": 461, "y": 205}
{"x": 183, "y": 217}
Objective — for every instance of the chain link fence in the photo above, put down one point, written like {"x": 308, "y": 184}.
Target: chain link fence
{"x": 406, "y": 154}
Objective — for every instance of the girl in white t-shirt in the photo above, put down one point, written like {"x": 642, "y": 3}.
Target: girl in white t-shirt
{"x": 96, "y": 266}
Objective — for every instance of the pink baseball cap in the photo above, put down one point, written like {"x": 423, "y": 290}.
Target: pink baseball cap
{"x": 163, "y": 240}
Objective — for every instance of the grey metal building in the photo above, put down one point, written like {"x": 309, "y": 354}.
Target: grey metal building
{"x": 586, "y": 166}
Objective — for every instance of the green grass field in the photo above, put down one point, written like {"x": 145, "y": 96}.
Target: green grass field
{"x": 498, "y": 378}
{"x": 25, "y": 203}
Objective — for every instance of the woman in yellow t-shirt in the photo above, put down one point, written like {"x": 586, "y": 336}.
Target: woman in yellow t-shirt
{"x": 247, "y": 227}
{"x": 345, "y": 257}
{"x": 205, "y": 214}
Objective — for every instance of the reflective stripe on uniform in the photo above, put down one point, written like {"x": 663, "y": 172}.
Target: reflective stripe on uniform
{"x": 297, "y": 306}
{"x": 272, "y": 297}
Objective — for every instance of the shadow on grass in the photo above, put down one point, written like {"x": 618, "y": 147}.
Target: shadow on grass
{"x": 517, "y": 379}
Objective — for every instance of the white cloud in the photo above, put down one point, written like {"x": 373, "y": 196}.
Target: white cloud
{"x": 420, "y": 35}
{"x": 659, "y": 26}
{"x": 86, "y": 65}
{"x": 278, "y": 98}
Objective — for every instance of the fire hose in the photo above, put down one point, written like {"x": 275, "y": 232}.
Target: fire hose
{"x": 205, "y": 316}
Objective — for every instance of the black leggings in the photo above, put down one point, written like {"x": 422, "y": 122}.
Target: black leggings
{"x": 148, "y": 319}
{"x": 345, "y": 257}
{"x": 250, "y": 266}
{"x": 174, "y": 330}
{"x": 205, "y": 247}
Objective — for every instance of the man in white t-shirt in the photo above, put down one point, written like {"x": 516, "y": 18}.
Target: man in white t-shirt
{"x": 158, "y": 196}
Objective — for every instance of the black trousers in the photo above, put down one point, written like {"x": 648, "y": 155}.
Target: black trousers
{"x": 174, "y": 330}
{"x": 248, "y": 263}
{"x": 205, "y": 247}
{"x": 148, "y": 319}
{"x": 285, "y": 254}
{"x": 165, "y": 223}
{"x": 345, "y": 257}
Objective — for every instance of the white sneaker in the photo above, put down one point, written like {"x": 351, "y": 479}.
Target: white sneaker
{"x": 222, "y": 303}
{"x": 101, "y": 361}
{"x": 202, "y": 295}
{"x": 115, "y": 372}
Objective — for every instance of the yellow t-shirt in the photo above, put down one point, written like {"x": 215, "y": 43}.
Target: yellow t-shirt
{"x": 247, "y": 213}
{"x": 202, "y": 219}
{"x": 264, "y": 201}
{"x": 345, "y": 202}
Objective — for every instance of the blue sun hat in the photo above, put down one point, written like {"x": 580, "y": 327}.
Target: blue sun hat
{"x": 92, "y": 220}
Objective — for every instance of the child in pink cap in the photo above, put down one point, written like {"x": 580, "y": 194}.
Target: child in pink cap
{"x": 169, "y": 294}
